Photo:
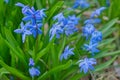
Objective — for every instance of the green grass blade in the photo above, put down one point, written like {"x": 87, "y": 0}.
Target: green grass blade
{"x": 14, "y": 71}
{"x": 54, "y": 70}
{"x": 107, "y": 54}
{"x": 104, "y": 65}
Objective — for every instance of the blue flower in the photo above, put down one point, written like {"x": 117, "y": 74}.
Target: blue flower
{"x": 60, "y": 17}
{"x": 67, "y": 52}
{"x": 34, "y": 72}
{"x": 6, "y": 1}
{"x": 73, "y": 19}
{"x": 96, "y": 37}
{"x": 32, "y": 15}
{"x": 92, "y": 21}
{"x": 86, "y": 64}
{"x": 55, "y": 30}
{"x": 35, "y": 29}
{"x": 87, "y": 30}
{"x": 24, "y": 31}
{"x": 91, "y": 47}
{"x": 64, "y": 25}
{"x": 31, "y": 62}
{"x": 97, "y": 12}
{"x": 42, "y": 14}
{"x": 24, "y": 8}
{"x": 81, "y": 3}
{"x": 70, "y": 29}
{"x": 20, "y": 4}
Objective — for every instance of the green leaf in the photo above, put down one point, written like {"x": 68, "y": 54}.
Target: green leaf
{"x": 104, "y": 65}
{"x": 3, "y": 71}
{"x": 107, "y": 26}
{"x": 54, "y": 9}
{"x": 77, "y": 76}
{"x": 14, "y": 71}
{"x": 54, "y": 70}
{"x": 107, "y": 54}
{"x": 4, "y": 77}
{"x": 62, "y": 46}
{"x": 13, "y": 45}
{"x": 51, "y": 2}
{"x": 22, "y": 58}
{"x": 38, "y": 4}
{"x": 72, "y": 70}
{"x": 42, "y": 52}
{"x": 109, "y": 32}
{"x": 107, "y": 41}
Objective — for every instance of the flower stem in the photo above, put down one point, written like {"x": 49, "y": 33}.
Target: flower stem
{"x": 93, "y": 78}
{"x": 32, "y": 78}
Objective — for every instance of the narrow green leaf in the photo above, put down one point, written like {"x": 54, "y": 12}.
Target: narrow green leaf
{"x": 107, "y": 54}
{"x": 14, "y": 71}
{"x": 39, "y": 6}
{"x": 54, "y": 9}
{"x": 4, "y": 77}
{"x": 109, "y": 32}
{"x": 22, "y": 58}
{"x": 107, "y": 41}
{"x": 3, "y": 71}
{"x": 10, "y": 38}
{"x": 62, "y": 47}
{"x": 42, "y": 52}
{"x": 77, "y": 76}
{"x": 104, "y": 65}
{"x": 72, "y": 71}
{"x": 107, "y": 26}
{"x": 54, "y": 70}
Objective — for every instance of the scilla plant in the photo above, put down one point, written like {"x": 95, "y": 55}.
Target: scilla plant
{"x": 45, "y": 41}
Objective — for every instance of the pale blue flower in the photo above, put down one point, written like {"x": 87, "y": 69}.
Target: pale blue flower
{"x": 60, "y": 17}
{"x": 92, "y": 21}
{"x": 97, "y": 12}
{"x": 24, "y": 31}
{"x": 35, "y": 29}
{"x": 91, "y": 47}
{"x": 20, "y": 4}
{"x": 32, "y": 15}
{"x": 81, "y": 3}
{"x": 73, "y": 19}
{"x": 87, "y": 30}
{"x": 67, "y": 52}
{"x": 7, "y": 1}
{"x": 87, "y": 64}
{"x": 24, "y": 8}
{"x": 31, "y": 62}
{"x": 42, "y": 13}
{"x": 64, "y": 25}
{"x": 55, "y": 30}
{"x": 96, "y": 37}
{"x": 69, "y": 29}
{"x": 34, "y": 72}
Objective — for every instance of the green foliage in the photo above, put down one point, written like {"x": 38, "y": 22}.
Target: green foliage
{"x": 14, "y": 55}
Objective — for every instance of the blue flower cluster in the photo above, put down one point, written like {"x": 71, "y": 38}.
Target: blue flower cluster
{"x": 91, "y": 33}
{"x": 81, "y": 3}
{"x": 63, "y": 25}
{"x": 95, "y": 36}
{"x": 67, "y": 52}
{"x": 32, "y": 70}
{"x": 33, "y": 19}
